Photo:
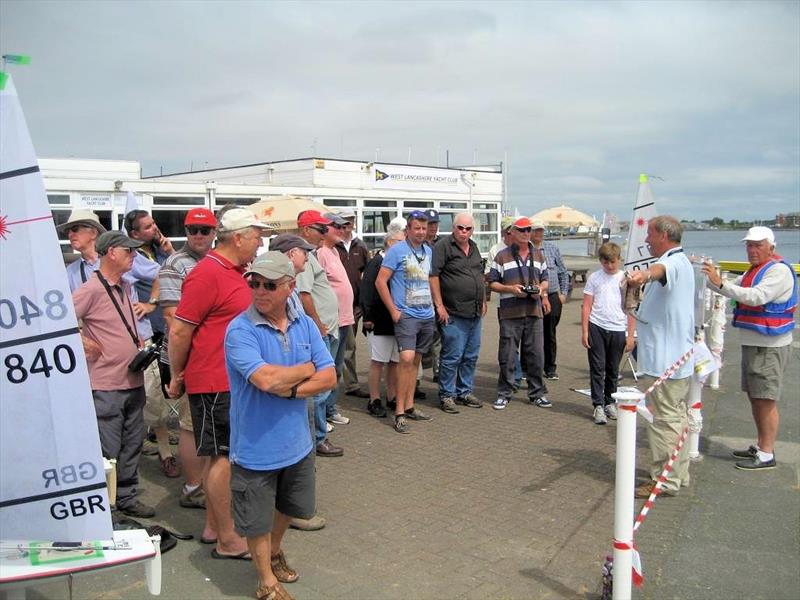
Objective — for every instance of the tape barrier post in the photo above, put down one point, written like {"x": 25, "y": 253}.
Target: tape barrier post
{"x": 716, "y": 336}
{"x": 623, "y": 493}
{"x": 695, "y": 417}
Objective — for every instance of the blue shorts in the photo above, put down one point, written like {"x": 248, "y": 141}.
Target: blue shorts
{"x": 414, "y": 334}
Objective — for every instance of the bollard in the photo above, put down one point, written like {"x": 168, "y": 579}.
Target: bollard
{"x": 624, "y": 484}
{"x": 695, "y": 415}
{"x": 716, "y": 336}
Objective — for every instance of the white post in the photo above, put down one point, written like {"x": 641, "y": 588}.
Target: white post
{"x": 716, "y": 336}
{"x": 695, "y": 417}
{"x": 152, "y": 568}
{"x": 623, "y": 493}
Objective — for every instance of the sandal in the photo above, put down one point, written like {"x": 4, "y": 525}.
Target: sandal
{"x": 276, "y": 592}
{"x": 282, "y": 571}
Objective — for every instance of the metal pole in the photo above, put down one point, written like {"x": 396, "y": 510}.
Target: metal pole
{"x": 623, "y": 493}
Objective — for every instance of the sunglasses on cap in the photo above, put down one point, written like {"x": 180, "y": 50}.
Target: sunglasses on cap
{"x": 464, "y": 228}
{"x": 270, "y": 286}
{"x": 523, "y": 229}
{"x": 195, "y": 229}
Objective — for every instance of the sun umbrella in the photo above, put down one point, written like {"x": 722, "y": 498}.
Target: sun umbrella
{"x": 281, "y": 211}
{"x": 564, "y": 216}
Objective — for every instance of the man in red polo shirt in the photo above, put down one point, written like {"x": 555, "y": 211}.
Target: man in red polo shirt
{"x": 213, "y": 294}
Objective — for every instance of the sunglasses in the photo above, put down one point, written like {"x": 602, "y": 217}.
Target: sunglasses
{"x": 320, "y": 228}
{"x": 338, "y": 226}
{"x": 523, "y": 229}
{"x": 195, "y": 229}
{"x": 464, "y": 228}
{"x": 270, "y": 286}
{"x": 77, "y": 228}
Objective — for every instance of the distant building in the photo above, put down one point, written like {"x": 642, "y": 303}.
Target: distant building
{"x": 377, "y": 192}
{"x": 790, "y": 220}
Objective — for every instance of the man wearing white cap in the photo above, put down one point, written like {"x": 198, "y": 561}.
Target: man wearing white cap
{"x": 766, "y": 298}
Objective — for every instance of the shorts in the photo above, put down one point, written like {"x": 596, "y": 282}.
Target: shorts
{"x": 255, "y": 494}
{"x": 383, "y": 348}
{"x": 762, "y": 370}
{"x": 413, "y": 334}
{"x": 211, "y": 420}
{"x": 159, "y": 408}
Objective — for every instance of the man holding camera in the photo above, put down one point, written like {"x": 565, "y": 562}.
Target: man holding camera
{"x": 519, "y": 276}
{"x": 113, "y": 349}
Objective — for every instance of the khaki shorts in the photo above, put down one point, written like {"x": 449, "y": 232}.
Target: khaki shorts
{"x": 158, "y": 409}
{"x": 762, "y": 371}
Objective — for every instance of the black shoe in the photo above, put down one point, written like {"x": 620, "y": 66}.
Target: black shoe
{"x": 553, "y": 376}
{"x": 357, "y": 392}
{"x": 469, "y": 401}
{"x": 750, "y": 452}
{"x": 756, "y": 464}
{"x": 391, "y": 404}
{"x": 137, "y": 509}
{"x": 325, "y": 448}
{"x": 419, "y": 394}
{"x": 375, "y": 408}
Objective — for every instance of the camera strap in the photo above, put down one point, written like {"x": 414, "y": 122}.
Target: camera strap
{"x": 107, "y": 287}
{"x": 529, "y": 263}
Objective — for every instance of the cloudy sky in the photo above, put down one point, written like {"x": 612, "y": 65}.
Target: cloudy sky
{"x": 579, "y": 96}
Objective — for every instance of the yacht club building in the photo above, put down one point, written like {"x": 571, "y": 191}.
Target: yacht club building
{"x": 377, "y": 192}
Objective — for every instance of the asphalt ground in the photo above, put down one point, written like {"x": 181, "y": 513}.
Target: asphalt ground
{"x": 508, "y": 504}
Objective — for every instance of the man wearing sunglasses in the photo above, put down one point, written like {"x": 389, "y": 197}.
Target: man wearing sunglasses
{"x": 519, "y": 276}
{"x": 201, "y": 229}
{"x": 320, "y": 303}
{"x": 457, "y": 288}
{"x": 213, "y": 294}
{"x": 275, "y": 360}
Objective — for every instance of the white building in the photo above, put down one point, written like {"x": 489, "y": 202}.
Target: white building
{"x": 377, "y": 192}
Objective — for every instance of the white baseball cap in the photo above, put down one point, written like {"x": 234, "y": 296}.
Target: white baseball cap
{"x": 759, "y": 233}
{"x": 239, "y": 218}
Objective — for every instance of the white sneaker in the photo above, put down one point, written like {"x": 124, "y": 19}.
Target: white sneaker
{"x": 599, "y": 416}
{"x": 499, "y": 404}
{"x": 339, "y": 419}
{"x": 611, "y": 411}
{"x": 329, "y": 427}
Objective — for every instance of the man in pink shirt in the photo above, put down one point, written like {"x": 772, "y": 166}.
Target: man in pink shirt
{"x": 328, "y": 257}
{"x": 111, "y": 342}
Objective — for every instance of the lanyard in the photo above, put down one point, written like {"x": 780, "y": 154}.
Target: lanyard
{"x": 134, "y": 337}
{"x": 521, "y": 265}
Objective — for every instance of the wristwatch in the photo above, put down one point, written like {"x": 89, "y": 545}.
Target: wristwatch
{"x": 154, "y": 301}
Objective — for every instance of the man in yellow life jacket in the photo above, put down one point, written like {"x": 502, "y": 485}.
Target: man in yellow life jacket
{"x": 766, "y": 298}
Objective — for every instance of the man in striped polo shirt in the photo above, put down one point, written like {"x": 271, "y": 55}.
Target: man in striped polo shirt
{"x": 519, "y": 276}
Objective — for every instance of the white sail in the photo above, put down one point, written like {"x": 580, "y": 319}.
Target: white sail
{"x": 637, "y": 254}
{"x": 52, "y": 482}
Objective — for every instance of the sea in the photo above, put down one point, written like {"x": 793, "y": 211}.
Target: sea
{"x": 715, "y": 244}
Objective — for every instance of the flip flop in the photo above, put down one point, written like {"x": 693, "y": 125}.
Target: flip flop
{"x": 243, "y": 556}
{"x": 208, "y": 540}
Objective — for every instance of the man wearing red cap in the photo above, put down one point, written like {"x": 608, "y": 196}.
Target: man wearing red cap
{"x": 201, "y": 228}
{"x": 519, "y": 275}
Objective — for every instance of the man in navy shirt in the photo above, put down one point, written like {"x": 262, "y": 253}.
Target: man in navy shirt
{"x": 275, "y": 359}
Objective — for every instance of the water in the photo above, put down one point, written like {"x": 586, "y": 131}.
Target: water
{"x": 719, "y": 245}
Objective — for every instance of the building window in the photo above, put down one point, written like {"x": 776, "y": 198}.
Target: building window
{"x": 170, "y": 222}
{"x": 178, "y": 200}
{"x": 237, "y": 200}
{"x": 380, "y": 202}
{"x": 58, "y": 198}
{"x": 417, "y": 204}
{"x": 485, "y": 221}
{"x": 453, "y": 205}
{"x": 376, "y": 221}
{"x": 339, "y": 202}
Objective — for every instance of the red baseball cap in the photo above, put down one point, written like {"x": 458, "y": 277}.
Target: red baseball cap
{"x": 200, "y": 216}
{"x": 311, "y": 217}
{"x": 522, "y": 222}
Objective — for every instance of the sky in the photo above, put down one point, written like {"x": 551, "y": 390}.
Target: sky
{"x": 575, "y": 98}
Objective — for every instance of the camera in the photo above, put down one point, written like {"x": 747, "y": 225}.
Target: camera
{"x": 531, "y": 290}
{"x": 143, "y": 358}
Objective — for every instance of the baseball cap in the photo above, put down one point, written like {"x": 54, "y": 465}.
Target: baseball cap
{"x": 81, "y": 216}
{"x": 419, "y": 215}
{"x": 114, "y": 239}
{"x": 311, "y": 217}
{"x": 756, "y": 234}
{"x": 287, "y": 241}
{"x": 200, "y": 216}
{"x": 506, "y": 223}
{"x": 537, "y": 224}
{"x": 347, "y": 213}
{"x": 433, "y": 215}
{"x": 335, "y": 219}
{"x": 271, "y": 265}
{"x": 239, "y": 218}
{"x": 521, "y": 223}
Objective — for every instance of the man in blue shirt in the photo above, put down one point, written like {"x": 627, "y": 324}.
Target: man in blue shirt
{"x": 405, "y": 290}
{"x": 275, "y": 359}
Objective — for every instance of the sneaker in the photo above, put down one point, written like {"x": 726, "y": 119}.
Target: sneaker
{"x": 611, "y": 411}
{"x": 315, "y": 523}
{"x": 599, "y": 416}
{"x": 470, "y": 401}
{"x": 339, "y": 419}
{"x": 448, "y": 405}
{"x": 400, "y": 425}
{"x": 325, "y": 448}
{"x": 416, "y": 414}
{"x": 375, "y": 408}
{"x": 170, "y": 468}
{"x": 357, "y": 392}
{"x": 137, "y": 509}
{"x": 750, "y": 452}
{"x": 500, "y": 404}
{"x": 194, "y": 499}
{"x": 551, "y": 376}
{"x": 542, "y": 402}
{"x": 756, "y": 464}
{"x": 329, "y": 427}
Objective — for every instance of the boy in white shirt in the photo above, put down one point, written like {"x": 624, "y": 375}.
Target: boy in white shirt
{"x": 603, "y": 327}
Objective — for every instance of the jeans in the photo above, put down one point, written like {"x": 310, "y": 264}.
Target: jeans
{"x": 321, "y": 406}
{"x": 528, "y": 331}
{"x": 461, "y": 344}
{"x": 550, "y": 323}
